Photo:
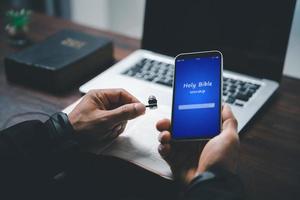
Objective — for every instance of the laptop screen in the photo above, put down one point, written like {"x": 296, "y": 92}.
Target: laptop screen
{"x": 252, "y": 35}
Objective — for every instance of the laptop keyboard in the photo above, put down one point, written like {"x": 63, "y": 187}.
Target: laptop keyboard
{"x": 153, "y": 71}
{"x": 238, "y": 92}
{"x": 235, "y": 91}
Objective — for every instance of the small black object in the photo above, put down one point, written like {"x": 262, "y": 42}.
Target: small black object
{"x": 152, "y": 101}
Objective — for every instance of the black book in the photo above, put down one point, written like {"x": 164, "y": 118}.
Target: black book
{"x": 61, "y": 61}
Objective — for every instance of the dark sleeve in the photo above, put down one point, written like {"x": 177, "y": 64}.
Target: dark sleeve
{"x": 33, "y": 151}
{"x": 215, "y": 184}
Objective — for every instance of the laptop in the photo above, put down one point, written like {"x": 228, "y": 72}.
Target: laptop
{"x": 252, "y": 35}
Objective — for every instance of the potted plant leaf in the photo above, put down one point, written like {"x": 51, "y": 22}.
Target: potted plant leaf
{"x": 17, "y": 26}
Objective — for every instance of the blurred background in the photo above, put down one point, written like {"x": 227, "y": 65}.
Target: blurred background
{"x": 126, "y": 17}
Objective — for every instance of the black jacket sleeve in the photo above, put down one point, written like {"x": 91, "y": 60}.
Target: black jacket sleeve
{"x": 215, "y": 184}
{"x": 34, "y": 152}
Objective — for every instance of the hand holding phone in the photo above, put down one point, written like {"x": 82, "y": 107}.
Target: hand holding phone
{"x": 197, "y": 96}
{"x": 188, "y": 160}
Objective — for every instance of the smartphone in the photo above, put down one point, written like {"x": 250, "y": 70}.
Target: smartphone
{"x": 197, "y": 96}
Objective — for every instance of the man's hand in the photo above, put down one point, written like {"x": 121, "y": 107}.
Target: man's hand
{"x": 184, "y": 159}
{"x": 104, "y": 113}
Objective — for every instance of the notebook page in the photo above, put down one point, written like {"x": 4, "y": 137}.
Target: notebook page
{"x": 139, "y": 142}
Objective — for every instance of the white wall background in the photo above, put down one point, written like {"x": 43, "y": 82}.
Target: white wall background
{"x": 127, "y": 16}
{"x": 121, "y": 16}
{"x": 292, "y": 62}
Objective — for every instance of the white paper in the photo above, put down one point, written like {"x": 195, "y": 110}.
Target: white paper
{"x": 138, "y": 143}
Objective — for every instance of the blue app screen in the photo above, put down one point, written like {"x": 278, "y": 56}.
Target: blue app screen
{"x": 197, "y": 97}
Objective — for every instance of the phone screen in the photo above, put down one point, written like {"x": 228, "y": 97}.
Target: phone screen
{"x": 196, "y": 109}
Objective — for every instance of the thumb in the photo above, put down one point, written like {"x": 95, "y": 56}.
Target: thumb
{"x": 126, "y": 112}
{"x": 230, "y": 125}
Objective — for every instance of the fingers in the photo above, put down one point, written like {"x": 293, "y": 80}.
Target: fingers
{"x": 164, "y": 137}
{"x": 164, "y": 124}
{"x": 229, "y": 121}
{"x": 164, "y": 150}
{"x": 226, "y": 112}
{"x": 119, "y": 96}
{"x": 112, "y": 97}
{"x": 125, "y": 112}
{"x": 230, "y": 124}
{"x": 117, "y": 130}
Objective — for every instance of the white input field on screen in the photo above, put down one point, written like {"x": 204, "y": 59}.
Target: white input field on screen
{"x": 196, "y": 106}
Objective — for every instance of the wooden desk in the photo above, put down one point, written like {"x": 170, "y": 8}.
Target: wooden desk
{"x": 270, "y": 146}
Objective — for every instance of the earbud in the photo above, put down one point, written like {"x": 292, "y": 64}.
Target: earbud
{"x": 152, "y": 102}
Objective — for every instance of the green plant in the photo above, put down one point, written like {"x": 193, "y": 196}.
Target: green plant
{"x": 18, "y": 19}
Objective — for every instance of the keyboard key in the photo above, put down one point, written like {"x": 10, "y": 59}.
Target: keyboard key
{"x": 242, "y": 96}
{"x": 163, "y": 82}
{"x": 232, "y": 80}
{"x": 233, "y": 87}
{"x": 230, "y": 100}
{"x": 239, "y": 104}
{"x": 242, "y": 83}
{"x": 170, "y": 83}
{"x": 138, "y": 75}
{"x": 231, "y": 91}
{"x": 257, "y": 86}
{"x": 243, "y": 89}
{"x": 251, "y": 91}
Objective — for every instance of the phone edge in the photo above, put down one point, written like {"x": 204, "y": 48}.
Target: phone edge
{"x": 221, "y": 96}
